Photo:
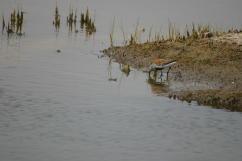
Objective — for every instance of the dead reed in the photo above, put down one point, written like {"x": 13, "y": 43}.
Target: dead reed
{"x": 70, "y": 20}
{"x": 87, "y": 22}
{"x": 111, "y": 35}
{"x": 15, "y": 23}
{"x": 57, "y": 20}
{"x": 3, "y": 24}
{"x": 190, "y": 34}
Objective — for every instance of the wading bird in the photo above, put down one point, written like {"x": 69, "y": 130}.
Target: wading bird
{"x": 159, "y": 65}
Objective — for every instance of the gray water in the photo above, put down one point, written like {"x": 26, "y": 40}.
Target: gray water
{"x": 61, "y": 106}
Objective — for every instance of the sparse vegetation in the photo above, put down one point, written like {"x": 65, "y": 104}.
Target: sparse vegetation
{"x": 111, "y": 35}
{"x": 135, "y": 37}
{"x": 88, "y": 23}
{"x": 15, "y": 23}
{"x": 57, "y": 19}
{"x": 3, "y": 24}
{"x": 70, "y": 20}
{"x": 124, "y": 35}
{"x": 174, "y": 34}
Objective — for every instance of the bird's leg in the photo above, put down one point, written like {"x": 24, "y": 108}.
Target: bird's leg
{"x": 155, "y": 74}
{"x": 168, "y": 72}
{"x": 161, "y": 74}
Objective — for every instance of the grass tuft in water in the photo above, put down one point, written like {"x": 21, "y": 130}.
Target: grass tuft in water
{"x": 88, "y": 23}
{"x": 57, "y": 20}
{"x": 70, "y": 20}
{"x": 15, "y": 23}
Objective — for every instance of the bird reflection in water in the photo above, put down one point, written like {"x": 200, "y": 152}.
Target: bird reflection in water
{"x": 158, "y": 88}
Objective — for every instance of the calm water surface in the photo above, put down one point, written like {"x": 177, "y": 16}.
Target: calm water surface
{"x": 61, "y": 106}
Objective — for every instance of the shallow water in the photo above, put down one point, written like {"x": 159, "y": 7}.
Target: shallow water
{"x": 61, "y": 106}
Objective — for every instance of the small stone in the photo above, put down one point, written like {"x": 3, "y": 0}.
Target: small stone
{"x": 58, "y": 50}
{"x": 112, "y": 79}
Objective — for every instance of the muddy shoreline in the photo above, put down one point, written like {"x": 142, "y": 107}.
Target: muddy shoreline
{"x": 208, "y": 70}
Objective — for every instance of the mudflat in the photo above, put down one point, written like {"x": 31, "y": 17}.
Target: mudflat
{"x": 208, "y": 70}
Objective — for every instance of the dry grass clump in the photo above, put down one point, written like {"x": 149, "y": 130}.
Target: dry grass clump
{"x": 57, "y": 20}
{"x": 194, "y": 32}
{"x": 71, "y": 20}
{"x": 134, "y": 38}
{"x": 15, "y": 24}
{"x": 87, "y": 22}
